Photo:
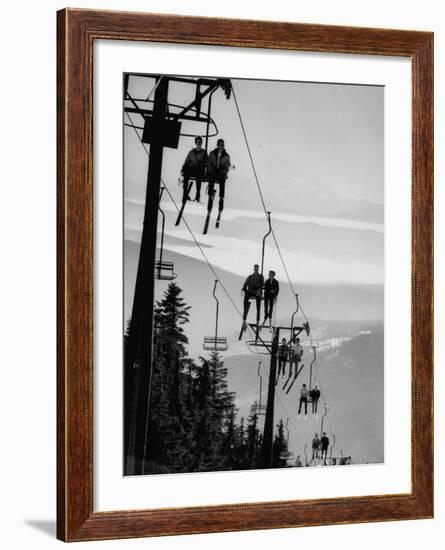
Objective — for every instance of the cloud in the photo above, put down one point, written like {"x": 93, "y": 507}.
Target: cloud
{"x": 339, "y": 263}
{"x": 238, "y": 256}
{"x": 231, "y": 214}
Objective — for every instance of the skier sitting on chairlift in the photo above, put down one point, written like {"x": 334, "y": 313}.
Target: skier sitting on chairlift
{"x": 218, "y": 165}
{"x": 283, "y": 353}
{"x": 271, "y": 290}
{"x": 315, "y": 396}
{"x": 324, "y": 446}
{"x": 315, "y": 447}
{"x": 194, "y": 167}
{"x": 296, "y": 353}
{"x": 252, "y": 288}
{"x": 303, "y": 399}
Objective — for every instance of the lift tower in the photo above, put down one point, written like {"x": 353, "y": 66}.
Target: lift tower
{"x": 161, "y": 128}
{"x": 271, "y": 348}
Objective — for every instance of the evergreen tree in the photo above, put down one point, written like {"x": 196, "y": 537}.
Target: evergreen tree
{"x": 169, "y": 433}
{"x": 279, "y": 446}
{"x": 241, "y": 461}
{"x": 192, "y": 423}
{"x": 252, "y": 443}
{"x": 229, "y": 440}
{"x": 213, "y": 406}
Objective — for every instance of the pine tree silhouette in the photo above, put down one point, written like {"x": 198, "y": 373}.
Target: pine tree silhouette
{"x": 169, "y": 437}
{"x": 192, "y": 423}
{"x": 279, "y": 446}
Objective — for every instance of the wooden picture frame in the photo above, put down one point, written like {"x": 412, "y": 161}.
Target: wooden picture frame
{"x": 77, "y": 31}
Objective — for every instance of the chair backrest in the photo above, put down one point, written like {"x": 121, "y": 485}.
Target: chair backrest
{"x": 215, "y": 344}
{"x": 259, "y": 346}
{"x": 165, "y": 271}
{"x": 258, "y": 409}
{"x": 286, "y": 455}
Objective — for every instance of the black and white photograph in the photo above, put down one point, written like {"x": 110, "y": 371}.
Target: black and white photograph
{"x": 253, "y": 282}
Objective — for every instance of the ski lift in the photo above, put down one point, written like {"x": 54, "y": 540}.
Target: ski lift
{"x": 295, "y": 331}
{"x": 257, "y": 408}
{"x": 332, "y": 448}
{"x": 287, "y": 455}
{"x": 224, "y": 84}
{"x": 164, "y": 270}
{"x": 260, "y": 346}
{"x": 306, "y": 462}
{"x": 261, "y": 296}
{"x": 293, "y": 317}
{"x": 215, "y": 343}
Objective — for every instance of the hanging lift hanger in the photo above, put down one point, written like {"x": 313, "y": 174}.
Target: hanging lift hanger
{"x": 257, "y": 408}
{"x": 164, "y": 270}
{"x": 256, "y": 326}
{"x": 287, "y": 455}
{"x": 215, "y": 343}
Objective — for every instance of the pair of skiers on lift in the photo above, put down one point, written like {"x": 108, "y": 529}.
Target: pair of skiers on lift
{"x": 305, "y": 394}
{"x": 253, "y": 290}
{"x": 320, "y": 444}
{"x": 214, "y": 168}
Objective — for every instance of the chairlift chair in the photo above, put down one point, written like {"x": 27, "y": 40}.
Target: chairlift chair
{"x": 287, "y": 455}
{"x": 261, "y": 296}
{"x": 215, "y": 343}
{"x": 306, "y": 461}
{"x": 259, "y": 346}
{"x": 204, "y": 179}
{"x": 164, "y": 270}
{"x": 257, "y": 408}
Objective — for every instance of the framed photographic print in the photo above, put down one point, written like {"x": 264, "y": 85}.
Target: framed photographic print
{"x": 245, "y": 228}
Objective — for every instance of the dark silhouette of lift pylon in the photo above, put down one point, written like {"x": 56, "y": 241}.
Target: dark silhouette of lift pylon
{"x": 271, "y": 347}
{"x": 161, "y": 128}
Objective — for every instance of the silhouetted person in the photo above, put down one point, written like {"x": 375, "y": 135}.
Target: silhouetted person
{"x": 283, "y": 353}
{"x": 252, "y": 289}
{"x": 315, "y": 447}
{"x": 315, "y": 397}
{"x": 303, "y": 399}
{"x": 296, "y": 354}
{"x": 271, "y": 290}
{"x": 324, "y": 445}
{"x": 194, "y": 167}
{"x": 218, "y": 165}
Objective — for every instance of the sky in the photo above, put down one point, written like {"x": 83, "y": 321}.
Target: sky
{"x": 318, "y": 153}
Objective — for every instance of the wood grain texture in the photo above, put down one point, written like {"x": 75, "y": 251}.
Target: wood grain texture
{"x": 77, "y": 30}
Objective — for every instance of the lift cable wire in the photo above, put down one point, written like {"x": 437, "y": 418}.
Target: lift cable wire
{"x": 297, "y": 433}
{"x": 226, "y": 292}
{"x": 299, "y": 436}
{"x": 260, "y": 192}
{"x": 153, "y": 90}
{"x": 212, "y": 270}
{"x": 243, "y": 128}
{"x": 199, "y": 246}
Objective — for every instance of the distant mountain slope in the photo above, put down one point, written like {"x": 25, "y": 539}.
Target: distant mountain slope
{"x": 348, "y": 303}
{"x": 350, "y": 368}
{"x": 351, "y": 379}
